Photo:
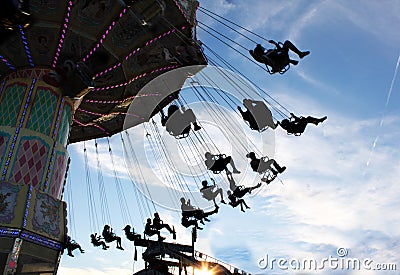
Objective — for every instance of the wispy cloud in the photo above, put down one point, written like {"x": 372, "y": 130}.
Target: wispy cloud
{"x": 325, "y": 198}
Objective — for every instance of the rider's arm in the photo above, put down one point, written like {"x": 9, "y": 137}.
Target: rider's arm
{"x": 273, "y": 42}
{"x": 294, "y": 116}
{"x": 163, "y": 118}
{"x": 213, "y": 181}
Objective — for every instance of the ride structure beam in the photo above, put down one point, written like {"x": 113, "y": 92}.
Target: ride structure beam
{"x": 184, "y": 256}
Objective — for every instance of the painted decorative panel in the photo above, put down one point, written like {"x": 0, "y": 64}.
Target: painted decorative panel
{"x": 47, "y": 217}
{"x": 29, "y": 165}
{"x": 8, "y": 201}
{"x": 57, "y": 179}
{"x": 4, "y": 138}
{"x": 12, "y": 204}
{"x": 10, "y": 104}
{"x": 65, "y": 122}
{"x": 23, "y": 207}
{"x": 43, "y": 111}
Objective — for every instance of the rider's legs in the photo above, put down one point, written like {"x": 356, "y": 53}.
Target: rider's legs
{"x": 289, "y": 45}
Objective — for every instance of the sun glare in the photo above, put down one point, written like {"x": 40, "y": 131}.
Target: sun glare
{"x": 203, "y": 271}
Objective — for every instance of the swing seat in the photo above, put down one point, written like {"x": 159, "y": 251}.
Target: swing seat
{"x": 109, "y": 239}
{"x": 96, "y": 244}
{"x": 295, "y": 134}
{"x": 217, "y": 172}
{"x": 219, "y": 165}
{"x": 259, "y": 130}
{"x": 284, "y": 67}
{"x": 205, "y": 197}
{"x": 185, "y": 133}
{"x": 266, "y": 171}
{"x": 238, "y": 191}
{"x": 263, "y": 129}
{"x": 269, "y": 178}
{"x": 281, "y": 71}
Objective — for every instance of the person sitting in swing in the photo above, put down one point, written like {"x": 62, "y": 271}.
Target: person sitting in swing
{"x": 186, "y": 222}
{"x": 159, "y": 224}
{"x": 208, "y": 191}
{"x": 189, "y": 211}
{"x": 297, "y": 125}
{"x": 109, "y": 236}
{"x": 96, "y": 241}
{"x": 191, "y": 215}
{"x": 277, "y": 58}
{"x": 234, "y": 201}
{"x": 218, "y": 163}
{"x": 71, "y": 245}
{"x": 131, "y": 235}
{"x": 257, "y": 115}
{"x": 149, "y": 230}
{"x": 239, "y": 191}
{"x": 264, "y": 165}
{"x": 179, "y": 122}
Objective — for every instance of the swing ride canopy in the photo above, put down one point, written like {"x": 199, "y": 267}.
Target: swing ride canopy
{"x": 125, "y": 44}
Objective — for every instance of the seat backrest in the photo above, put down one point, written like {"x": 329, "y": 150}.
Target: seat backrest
{"x": 203, "y": 194}
{"x": 184, "y": 135}
{"x": 256, "y": 57}
{"x": 95, "y": 242}
{"x": 108, "y": 238}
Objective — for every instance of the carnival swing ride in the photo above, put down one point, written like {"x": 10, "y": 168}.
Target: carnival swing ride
{"x": 80, "y": 70}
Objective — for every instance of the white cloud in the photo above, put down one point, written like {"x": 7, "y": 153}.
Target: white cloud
{"x": 329, "y": 199}
{"x": 374, "y": 17}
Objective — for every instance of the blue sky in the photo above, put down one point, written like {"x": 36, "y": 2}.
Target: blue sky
{"x": 340, "y": 188}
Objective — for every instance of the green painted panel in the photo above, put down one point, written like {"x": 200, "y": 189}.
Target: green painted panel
{"x": 43, "y": 112}
{"x": 10, "y": 104}
{"x": 65, "y": 122}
